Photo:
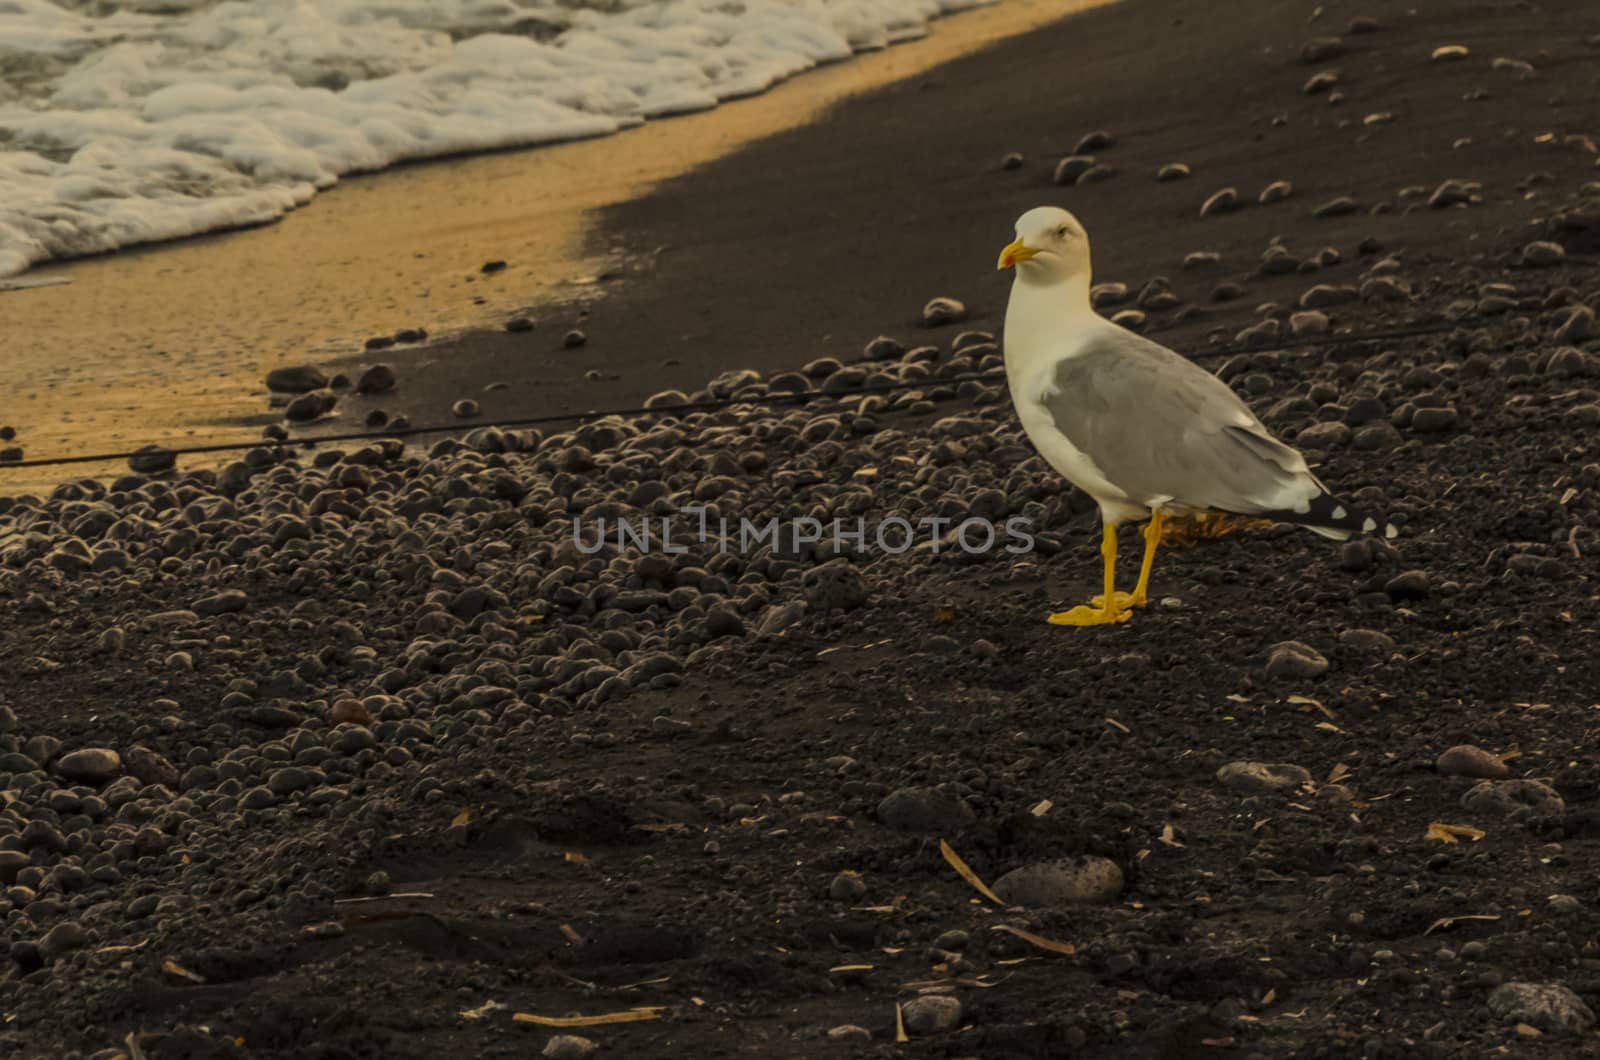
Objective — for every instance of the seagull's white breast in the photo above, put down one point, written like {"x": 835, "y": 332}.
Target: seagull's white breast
{"x": 1042, "y": 330}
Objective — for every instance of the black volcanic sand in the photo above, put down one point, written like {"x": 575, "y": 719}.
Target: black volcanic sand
{"x": 811, "y": 242}
{"x": 355, "y": 754}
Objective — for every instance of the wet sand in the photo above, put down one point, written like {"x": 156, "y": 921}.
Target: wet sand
{"x": 169, "y": 343}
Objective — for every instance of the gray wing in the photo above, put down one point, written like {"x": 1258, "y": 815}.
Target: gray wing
{"x": 1164, "y": 430}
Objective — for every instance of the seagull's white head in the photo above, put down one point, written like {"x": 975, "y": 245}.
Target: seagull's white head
{"x": 1051, "y": 247}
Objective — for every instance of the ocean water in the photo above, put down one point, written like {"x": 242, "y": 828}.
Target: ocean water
{"x": 140, "y": 120}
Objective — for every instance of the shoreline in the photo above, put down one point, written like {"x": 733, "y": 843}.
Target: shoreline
{"x": 151, "y": 346}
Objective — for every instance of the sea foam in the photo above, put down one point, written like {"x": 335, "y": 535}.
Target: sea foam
{"x": 169, "y": 118}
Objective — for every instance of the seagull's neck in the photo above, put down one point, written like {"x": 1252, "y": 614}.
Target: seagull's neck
{"x": 1047, "y": 320}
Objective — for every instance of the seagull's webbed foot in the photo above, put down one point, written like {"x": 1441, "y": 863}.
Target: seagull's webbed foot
{"x": 1121, "y": 601}
{"x": 1111, "y": 607}
{"x": 1098, "y": 613}
{"x": 1084, "y": 615}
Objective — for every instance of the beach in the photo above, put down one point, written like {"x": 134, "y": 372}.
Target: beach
{"x": 707, "y": 730}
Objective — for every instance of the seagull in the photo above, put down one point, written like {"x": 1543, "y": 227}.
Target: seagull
{"x": 1144, "y": 431}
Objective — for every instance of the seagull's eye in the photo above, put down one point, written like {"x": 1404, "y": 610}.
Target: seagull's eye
{"x": 1062, "y": 231}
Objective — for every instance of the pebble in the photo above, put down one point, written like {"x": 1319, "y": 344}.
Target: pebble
{"x": 519, "y": 324}
{"x": 1367, "y": 640}
{"x": 298, "y": 379}
{"x": 152, "y": 460}
{"x": 849, "y": 1032}
{"x": 1450, "y": 193}
{"x": 1551, "y": 1007}
{"x": 924, "y": 810}
{"x": 666, "y": 399}
{"x": 847, "y": 886}
{"x": 1013, "y": 160}
{"x": 1070, "y": 168}
{"x": 1098, "y": 173}
{"x": 464, "y": 409}
{"x": 1262, "y": 777}
{"x": 1290, "y": 659}
{"x": 1408, "y": 585}
{"x": 661, "y": 725}
{"x": 310, "y": 406}
{"x": 1513, "y": 798}
{"x": 569, "y": 1047}
{"x": 228, "y": 601}
{"x": 1324, "y": 296}
{"x": 1468, "y": 760}
{"x": 1321, "y": 49}
{"x": 931, "y": 1014}
{"x": 90, "y": 765}
{"x": 1543, "y": 253}
{"x": 63, "y": 938}
{"x": 1094, "y": 141}
{"x": 42, "y": 834}
{"x": 1434, "y": 420}
{"x": 1564, "y": 905}
{"x": 290, "y": 779}
{"x": 1331, "y": 435}
{"x": 1567, "y": 362}
{"x": 350, "y": 712}
{"x": 1583, "y": 416}
{"x": 1085, "y": 880}
{"x": 1320, "y": 82}
{"x": 258, "y": 798}
{"x": 941, "y": 311}
{"x": 1384, "y": 289}
{"x": 377, "y": 379}
{"x": 573, "y": 339}
{"x": 1105, "y": 295}
{"x": 1337, "y": 207}
{"x": 1309, "y": 322}
{"x": 1277, "y": 261}
{"x": 1277, "y": 191}
{"x": 1220, "y": 202}
{"x": 1172, "y": 171}
{"x": 11, "y": 863}
{"x": 885, "y": 348}
{"x": 150, "y": 767}
{"x": 1449, "y": 53}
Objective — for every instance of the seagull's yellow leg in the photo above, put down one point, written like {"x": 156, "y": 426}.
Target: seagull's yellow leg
{"x": 1152, "y": 538}
{"x": 1153, "y": 533}
{"x": 1100, "y": 614}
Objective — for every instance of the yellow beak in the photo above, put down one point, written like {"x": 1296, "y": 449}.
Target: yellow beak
{"x": 1015, "y": 252}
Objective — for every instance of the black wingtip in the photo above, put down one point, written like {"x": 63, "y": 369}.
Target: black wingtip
{"x": 1328, "y": 515}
